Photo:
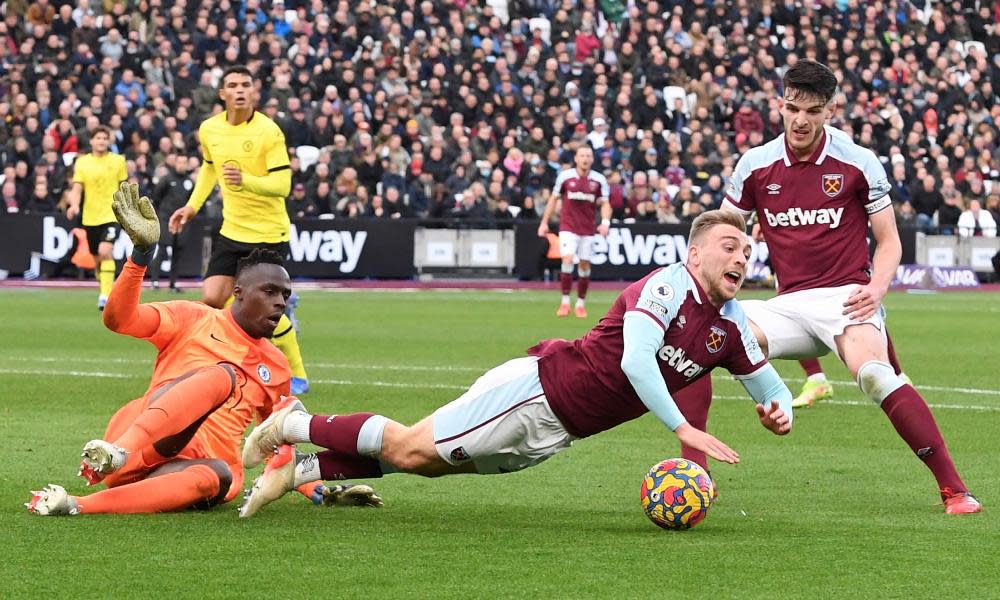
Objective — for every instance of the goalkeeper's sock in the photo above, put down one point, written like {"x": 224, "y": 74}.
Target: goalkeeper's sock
{"x": 287, "y": 340}
{"x": 164, "y": 493}
{"x": 106, "y": 276}
{"x": 167, "y": 419}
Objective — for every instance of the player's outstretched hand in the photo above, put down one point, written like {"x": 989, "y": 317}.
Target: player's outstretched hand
{"x": 707, "y": 443}
{"x": 136, "y": 216}
{"x": 774, "y": 419}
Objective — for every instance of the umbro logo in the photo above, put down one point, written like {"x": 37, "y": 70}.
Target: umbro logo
{"x": 773, "y": 189}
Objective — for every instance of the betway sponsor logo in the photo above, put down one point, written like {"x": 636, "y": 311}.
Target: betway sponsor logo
{"x": 580, "y": 196}
{"x": 794, "y": 217}
{"x": 622, "y": 247}
{"x": 676, "y": 358}
{"x": 57, "y": 241}
{"x": 329, "y": 246}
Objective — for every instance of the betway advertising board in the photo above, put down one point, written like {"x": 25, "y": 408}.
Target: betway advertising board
{"x": 316, "y": 248}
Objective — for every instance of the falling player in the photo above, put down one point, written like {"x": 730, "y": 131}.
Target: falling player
{"x": 579, "y": 189}
{"x": 663, "y": 332}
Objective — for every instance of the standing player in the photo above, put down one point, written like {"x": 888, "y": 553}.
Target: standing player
{"x": 815, "y": 193}
{"x": 580, "y": 189}
{"x": 95, "y": 178}
{"x": 663, "y": 332}
{"x": 178, "y": 446}
{"x": 246, "y": 151}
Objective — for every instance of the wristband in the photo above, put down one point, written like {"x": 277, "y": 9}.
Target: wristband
{"x": 606, "y": 222}
{"x": 142, "y": 256}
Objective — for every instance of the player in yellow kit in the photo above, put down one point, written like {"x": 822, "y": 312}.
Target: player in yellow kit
{"x": 96, "y": 177}
{"x": 244, "y": 152}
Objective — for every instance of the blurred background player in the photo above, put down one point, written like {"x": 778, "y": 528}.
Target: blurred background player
{"x": 178, "y": 446}
{"x": 577, "y": 190}
{"x": 664, "y": 331}
{"x": 171, "y": 193}
{"x": 815, "y": 192}
{"x": 245, "y": 152}
{"x": 96, "y": 176}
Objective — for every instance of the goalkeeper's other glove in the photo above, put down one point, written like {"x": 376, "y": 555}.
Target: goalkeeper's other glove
{"x": 136, "y": 216}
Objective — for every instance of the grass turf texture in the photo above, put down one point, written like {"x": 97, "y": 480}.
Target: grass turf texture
{"x": 838, "y": 509}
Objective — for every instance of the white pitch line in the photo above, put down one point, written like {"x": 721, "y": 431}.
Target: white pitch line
{"x": 443, "y": 386}
{"x": 436, "y": 368}
{"x": 69, "y": 373}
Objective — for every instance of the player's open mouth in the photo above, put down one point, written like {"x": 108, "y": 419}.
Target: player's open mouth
{"x": 732, "y": 277}
{"x": 275, "y": 318}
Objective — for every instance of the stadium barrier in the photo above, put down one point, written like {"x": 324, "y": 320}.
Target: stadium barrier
{"x": 401, "y": 248}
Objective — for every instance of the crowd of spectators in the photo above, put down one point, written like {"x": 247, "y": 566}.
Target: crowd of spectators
{"x": 468, "y": 108}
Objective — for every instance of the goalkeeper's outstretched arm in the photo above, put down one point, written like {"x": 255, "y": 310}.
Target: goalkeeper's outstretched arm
{"x": 123, "y": 313}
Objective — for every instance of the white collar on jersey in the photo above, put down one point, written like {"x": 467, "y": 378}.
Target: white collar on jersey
{"x": 827, "y": 136}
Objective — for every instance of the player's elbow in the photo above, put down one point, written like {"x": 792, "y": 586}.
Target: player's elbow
{"x": 111, "y": 319}
{"x": 632, "y": 365}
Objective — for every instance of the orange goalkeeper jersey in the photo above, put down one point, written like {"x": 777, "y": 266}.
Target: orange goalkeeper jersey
{"x": 192, "y": 335}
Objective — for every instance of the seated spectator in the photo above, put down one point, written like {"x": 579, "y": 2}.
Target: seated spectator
{"x": 950, "y": 209}
{"x": 976, "y": 222}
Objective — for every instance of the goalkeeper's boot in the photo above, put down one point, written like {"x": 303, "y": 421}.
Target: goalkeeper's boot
{"x": 813, "y": 391}
{"x": 100, "y": 459}
{"x": 277, "y": 480}
{"x": 266, "y": 437}
{"x": 52, "y": 500}
{"x": 959, "y": 503}
{"x": 351, "y": 494}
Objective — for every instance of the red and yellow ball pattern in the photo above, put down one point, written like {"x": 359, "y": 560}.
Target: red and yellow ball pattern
{"x": 677, "y": 493}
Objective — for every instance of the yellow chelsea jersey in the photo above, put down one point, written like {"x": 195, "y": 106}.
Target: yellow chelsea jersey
{"x": 256, "y": 147}
{"x": 100, "y": 176}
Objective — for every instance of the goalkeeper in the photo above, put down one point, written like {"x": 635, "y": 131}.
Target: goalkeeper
{"x": 178, "y": 446}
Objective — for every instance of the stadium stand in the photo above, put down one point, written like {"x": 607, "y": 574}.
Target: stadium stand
{"x": 468, "y": 108}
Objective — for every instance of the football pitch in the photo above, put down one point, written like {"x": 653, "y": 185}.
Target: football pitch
{"x": 840, "y": 508}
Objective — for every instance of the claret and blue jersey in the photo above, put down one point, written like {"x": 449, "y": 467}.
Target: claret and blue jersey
{"x": 665, "y": 315}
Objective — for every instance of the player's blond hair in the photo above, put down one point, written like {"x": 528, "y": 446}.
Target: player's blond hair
{"x": 709, "y": 219}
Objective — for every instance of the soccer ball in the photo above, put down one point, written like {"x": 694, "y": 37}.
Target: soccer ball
{"x": 677, "y": 493}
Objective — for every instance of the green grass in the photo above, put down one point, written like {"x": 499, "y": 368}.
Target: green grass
{"x": 838, "y": 509}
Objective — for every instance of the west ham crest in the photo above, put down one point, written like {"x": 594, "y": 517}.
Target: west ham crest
{"x": 833, "y": 183}
{"x": 716, "y": 339}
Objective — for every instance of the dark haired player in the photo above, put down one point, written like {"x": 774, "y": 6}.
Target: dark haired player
{"x": 245, "y": 152}
{"x": 815, "y": 193}
{"x": 663, "y": 332}
{"x": 178, "y": 446}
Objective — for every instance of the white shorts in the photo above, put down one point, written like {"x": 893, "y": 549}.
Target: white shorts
{"x": 572, "y": 244}
{"x": 805, "y": 324}
{"x": 502, "y": 424}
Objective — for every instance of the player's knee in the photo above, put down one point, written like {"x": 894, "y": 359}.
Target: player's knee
{"x": 567, "y": 267}
{"x": 878, "y": 379}
{"x": 212, "y": 482}
{"x": 584, "y": 271}
{"x": 227, "y": 376}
